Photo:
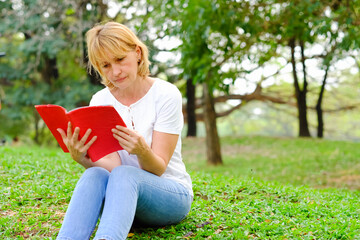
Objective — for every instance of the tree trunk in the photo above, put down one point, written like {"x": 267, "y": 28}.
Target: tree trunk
{"x": 37, "y": 132}
{"x": 319, "y": 111}
{"x": 50, "y": 71}
{"x": 190, "y": 108}
{"x": 300, "y": 94}
{"x": 212, "y": 138}
{"x": 93, "y": 76}
{"x": 302, "y": 110}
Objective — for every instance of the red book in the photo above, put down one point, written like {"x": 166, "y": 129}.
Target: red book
{"x": 101, "y": 119}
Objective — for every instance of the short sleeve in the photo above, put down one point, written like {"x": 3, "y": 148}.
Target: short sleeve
{"x": 169, "y": 117}
{"x": 102, "y": 97}
{"x": 93, "y": 101}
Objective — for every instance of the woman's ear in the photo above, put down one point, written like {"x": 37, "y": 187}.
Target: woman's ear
{"x": 138, "y": 53}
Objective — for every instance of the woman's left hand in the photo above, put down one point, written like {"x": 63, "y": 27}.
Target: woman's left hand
{"x": 130, "y": 140}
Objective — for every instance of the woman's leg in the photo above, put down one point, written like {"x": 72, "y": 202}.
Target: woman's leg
{"x": 85, "y": 205}
{"x": 132, "y": 191}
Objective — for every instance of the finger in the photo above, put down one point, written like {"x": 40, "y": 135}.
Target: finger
{"x": 124, "y": 143}
{"x": 124, "y": 129}
{"x": 85, "y": 137}
{"x": 119, "y": 138}
{"x": 121, "y": 133}
{"x": 62, "y": 133}
{"x": 88, "y": 145}
{"x": 69, "y": 129}
{"x": 76, "y": 133}
{"x": 118, "y": 131}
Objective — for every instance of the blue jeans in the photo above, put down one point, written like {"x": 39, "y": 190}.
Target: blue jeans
{"x": 124, "y": 195}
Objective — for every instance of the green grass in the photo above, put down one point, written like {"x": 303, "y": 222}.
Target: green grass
{"x": 268, "y": 188}
{"x": 312, "y": 162}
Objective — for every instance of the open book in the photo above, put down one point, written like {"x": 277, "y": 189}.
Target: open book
{"x": 101, "y": 119}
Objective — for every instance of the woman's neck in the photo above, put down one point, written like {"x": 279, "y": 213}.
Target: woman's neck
{"x": 134, "y": 92}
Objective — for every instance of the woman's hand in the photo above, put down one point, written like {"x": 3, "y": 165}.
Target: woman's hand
{"x": 153, "y": 159}
{"x": 77, "y": 148}
{"x": 130, "y": 140}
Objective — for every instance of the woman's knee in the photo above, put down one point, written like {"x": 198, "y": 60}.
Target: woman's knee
{"x": 125, "y": 172}
{"x": 96, "y": 173}
{"x": 125, "y": 169}
{"x": 94, "y": 178}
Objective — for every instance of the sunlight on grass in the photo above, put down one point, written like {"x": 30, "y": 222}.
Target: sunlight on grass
{"x": 312, "y": 162}
{"x": 268, "y": 188}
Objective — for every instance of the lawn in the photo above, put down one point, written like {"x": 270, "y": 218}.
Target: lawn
{"x": 268, "y": 188}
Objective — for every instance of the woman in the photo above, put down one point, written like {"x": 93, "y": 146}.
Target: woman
{"x": 147, "y": 181}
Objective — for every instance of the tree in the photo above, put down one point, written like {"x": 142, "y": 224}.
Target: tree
{"x": 302, "y": 25}
{"x": 38, "y": 35}
{"x": 343, "y": 36}
{"x": 215, "y": 37}
{"x": 191, "y": 108}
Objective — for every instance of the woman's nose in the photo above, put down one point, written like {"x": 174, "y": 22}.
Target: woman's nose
{"x": 116, "y": 70}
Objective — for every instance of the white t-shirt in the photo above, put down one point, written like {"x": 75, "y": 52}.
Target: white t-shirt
{"x": 160, "y": 110}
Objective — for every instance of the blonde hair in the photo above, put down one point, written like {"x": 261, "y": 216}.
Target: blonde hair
{"x": 116, "y": 39}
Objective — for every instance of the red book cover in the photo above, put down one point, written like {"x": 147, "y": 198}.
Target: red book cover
{"x": 101, "y": 119}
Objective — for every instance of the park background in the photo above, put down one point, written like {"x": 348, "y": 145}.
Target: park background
{"x": 270, "y": 87}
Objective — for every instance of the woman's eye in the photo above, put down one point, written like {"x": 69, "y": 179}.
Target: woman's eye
{"x": 119, "y": 59}
{"x": 105, "y": 66}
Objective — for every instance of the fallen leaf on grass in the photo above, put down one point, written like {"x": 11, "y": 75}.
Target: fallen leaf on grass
{"x": 202, "y": 224}
{"x": 189, "y": 234}
{"x": 8, "y": 213}
{"x": 130, "y": 234}
{"x": 203, "y": 196}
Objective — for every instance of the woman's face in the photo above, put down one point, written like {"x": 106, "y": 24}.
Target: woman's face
{"x": 121, "y": 70}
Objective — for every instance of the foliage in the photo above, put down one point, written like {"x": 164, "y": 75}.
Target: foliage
{"x": 225, "y": 42}
{"x": 306, "y": 27}
{"x": 221, "y": 43}
{"x": 212, "y": 37}
{"x": 249, "y": 197}
{"x": 45, "y": 60}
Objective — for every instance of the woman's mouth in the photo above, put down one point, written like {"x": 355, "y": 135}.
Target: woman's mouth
{"x": 120, "y": 79}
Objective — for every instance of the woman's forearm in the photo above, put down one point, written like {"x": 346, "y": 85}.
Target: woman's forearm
{"x": 151, "y": 162}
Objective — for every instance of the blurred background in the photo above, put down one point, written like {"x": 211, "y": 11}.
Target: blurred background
{"x": 245, "y": 67}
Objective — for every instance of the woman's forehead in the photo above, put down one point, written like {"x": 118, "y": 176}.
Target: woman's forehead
{"x": 108, "y": 56}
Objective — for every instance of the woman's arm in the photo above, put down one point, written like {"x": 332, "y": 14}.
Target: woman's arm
{"x": 153, "y": 159}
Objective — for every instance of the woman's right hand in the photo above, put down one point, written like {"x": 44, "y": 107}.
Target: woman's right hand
{"x": 77, "y": 148}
